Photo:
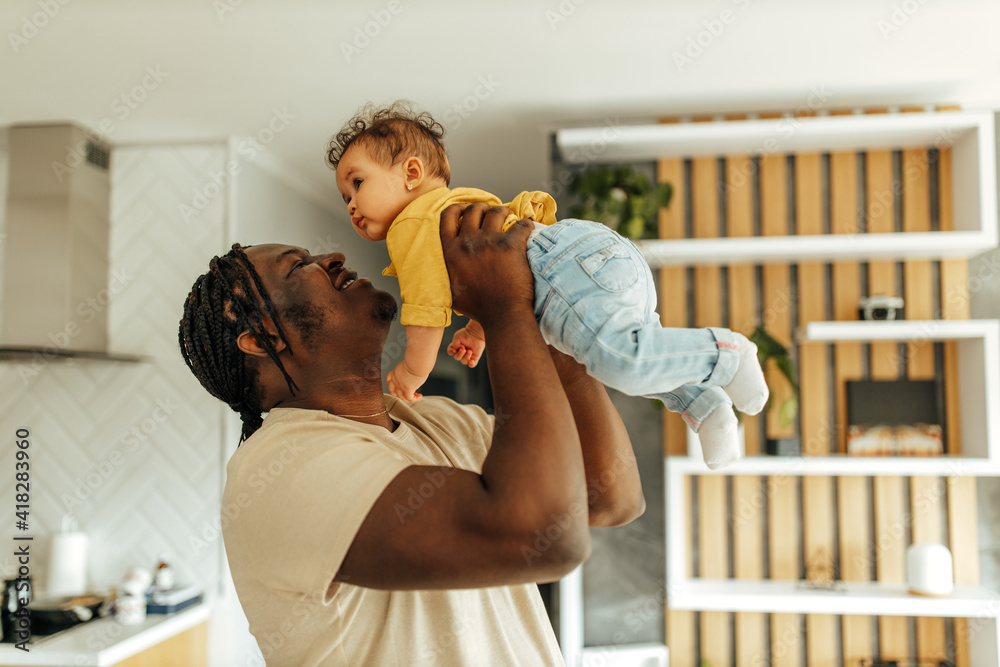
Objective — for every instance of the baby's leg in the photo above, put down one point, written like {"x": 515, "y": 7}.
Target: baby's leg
{"x": 707, "y": 411}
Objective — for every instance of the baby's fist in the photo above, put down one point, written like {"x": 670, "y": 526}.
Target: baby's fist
{"x": 404, "y": 384}
{"x": 466, "y": 347}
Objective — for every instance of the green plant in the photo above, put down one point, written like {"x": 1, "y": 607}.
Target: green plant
{"x": 622, "y": 199}
{"x": 769, "y": 348}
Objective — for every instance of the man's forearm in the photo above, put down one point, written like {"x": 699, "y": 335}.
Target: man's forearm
{"x": 614, "y": 491}
{"x": 534, "y": 467}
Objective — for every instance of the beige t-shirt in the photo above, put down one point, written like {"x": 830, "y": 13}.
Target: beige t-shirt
{"x": 296, "y": 493}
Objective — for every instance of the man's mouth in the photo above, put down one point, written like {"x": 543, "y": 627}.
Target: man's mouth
{"x": 345, "y": 279}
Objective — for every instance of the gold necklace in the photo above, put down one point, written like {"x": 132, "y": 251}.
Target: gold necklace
{"x": 376, "y": 414}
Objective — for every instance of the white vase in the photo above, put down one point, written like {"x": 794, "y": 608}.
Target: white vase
{"x": 929, "y": 570}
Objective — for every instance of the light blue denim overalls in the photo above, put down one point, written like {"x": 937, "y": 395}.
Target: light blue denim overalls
{"x": 595, "y": 300}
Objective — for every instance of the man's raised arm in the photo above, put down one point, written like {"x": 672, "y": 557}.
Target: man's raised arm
{"x": 481, "y": 530}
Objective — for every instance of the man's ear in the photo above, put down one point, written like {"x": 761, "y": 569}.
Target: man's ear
{"x": 249, "y": 345}
{"x": 413, "y": 171}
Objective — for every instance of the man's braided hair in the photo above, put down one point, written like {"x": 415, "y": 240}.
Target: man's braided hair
{"x": 223, "y": 303}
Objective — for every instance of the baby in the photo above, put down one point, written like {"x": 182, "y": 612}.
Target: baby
{"x": 594, "y": 294}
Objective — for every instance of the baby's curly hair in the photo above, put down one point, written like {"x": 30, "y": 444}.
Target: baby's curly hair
{"x": 392, "y": 133}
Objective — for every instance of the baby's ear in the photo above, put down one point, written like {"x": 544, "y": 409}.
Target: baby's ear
{"x": 413, "y": 171}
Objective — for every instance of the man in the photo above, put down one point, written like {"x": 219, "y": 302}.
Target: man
{"x": 371, "y": 531}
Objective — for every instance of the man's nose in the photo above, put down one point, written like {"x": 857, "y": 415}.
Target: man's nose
{"x": 331, "y": 260}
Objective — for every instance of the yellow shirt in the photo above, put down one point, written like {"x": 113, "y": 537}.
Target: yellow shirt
{"x": 414, "y": 244}
{"x": 296, "y": 493}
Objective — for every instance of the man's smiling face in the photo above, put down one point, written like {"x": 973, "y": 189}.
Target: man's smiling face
{"x": 318, "y": 296}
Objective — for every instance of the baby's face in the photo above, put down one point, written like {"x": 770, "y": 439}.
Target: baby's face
{"x": 374, "y": 194}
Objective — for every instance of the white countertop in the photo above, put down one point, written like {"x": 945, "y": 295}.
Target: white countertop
{"x": 104, "y": 641}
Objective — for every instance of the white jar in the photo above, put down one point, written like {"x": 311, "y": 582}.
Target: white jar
{"x": 929, "y": 569}
{"x": 130, "y": 609}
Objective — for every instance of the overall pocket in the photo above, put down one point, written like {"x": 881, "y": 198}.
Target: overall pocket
{"x": 612, "y": 266}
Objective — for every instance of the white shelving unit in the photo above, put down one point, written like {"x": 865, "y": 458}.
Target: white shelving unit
{"x": 970, "y": 134}
{"x": 979, "y": 376}
{"x": 863, "y": 598}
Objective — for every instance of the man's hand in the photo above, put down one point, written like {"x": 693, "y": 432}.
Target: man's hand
{"x": 403, "y": 383}
{"x": 467, "y": 347}
{"x": 488, "y": 270}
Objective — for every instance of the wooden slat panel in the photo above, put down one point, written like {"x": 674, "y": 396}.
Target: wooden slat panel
{"x": 673, "y": 308}
{"x": 890, "y": 563}
{"x": 673, "y": 305}
{"x": 917, "y": 286}
{"x": 742, "y": 278}
{"x": 880, "y": 212}
{"x": 777, "y": 285}
{"x": 855, "y": 562}
{"x": 817, "y": 527}
{"x": 817, "y": 492}
{"x": 716, "y": 636}
{"x": 783, "y": 511}
{"x": 748, "y": 520}
{"x": 853, "y": 498}
{"x": 680, "y": 623}
{"x": 963, "y": 540}
{"x": 955, "y": 302}
{"x": 783, "y": 505}
{"x": 926, "y": 494}
{"x": 748, "y": 537}
{"x": 846, "y": 282}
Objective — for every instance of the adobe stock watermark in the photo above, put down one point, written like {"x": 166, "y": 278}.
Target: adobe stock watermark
{"x": 416, "y": 497}
{"x": 32, "y": 25}
{"x": 704, "y": 39}
{"x": 461, "y": 110}
{"x": 562, "y": 12}
{"x": 87, "y": 311}
{"x": 247, "y": 149}
{"x": 258, "y": 481}
{"x": 899, "y": 16}
{"x": 134, "y": 439}
{"x": 786, "y": 127}
{"x": 364, "y": 34}
{"x": 121, "y": 108}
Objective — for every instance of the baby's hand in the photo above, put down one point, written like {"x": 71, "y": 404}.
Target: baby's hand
{"x": 404, "y": 384}
{"x": 466, "y": 347}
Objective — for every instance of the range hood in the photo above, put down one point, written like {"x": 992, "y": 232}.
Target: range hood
{"x": 55, "y": 255}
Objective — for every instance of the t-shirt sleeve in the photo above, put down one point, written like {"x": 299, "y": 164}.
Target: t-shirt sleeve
{"x": 306, "y": 496}
{"x": 418, "y": 260}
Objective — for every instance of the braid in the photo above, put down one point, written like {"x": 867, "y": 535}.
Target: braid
{"x": 222, "y": 304}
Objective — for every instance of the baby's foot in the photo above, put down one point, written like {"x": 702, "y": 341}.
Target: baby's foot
{"x": 747, "y": 388}
{"x": 719, "y": 438}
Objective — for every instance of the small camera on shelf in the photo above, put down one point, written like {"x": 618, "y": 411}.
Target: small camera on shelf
{"x": 880, "y": 307}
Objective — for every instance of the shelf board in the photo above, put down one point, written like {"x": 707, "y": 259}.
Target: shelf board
{"x": 840, "y": 466}
{"x": 855, "y": 132}
{"x": 647, "y": 655}
{"x": 865, "y": 598}
{"x": 804, "y": 248}
{"x": 901, "y": 330}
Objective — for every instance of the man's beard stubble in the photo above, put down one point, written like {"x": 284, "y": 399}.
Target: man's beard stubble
{"x": 308, "y": 318}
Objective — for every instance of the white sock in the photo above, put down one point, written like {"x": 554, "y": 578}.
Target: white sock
{"x": 747, "y": 388}
{"x": 719, "y": 438}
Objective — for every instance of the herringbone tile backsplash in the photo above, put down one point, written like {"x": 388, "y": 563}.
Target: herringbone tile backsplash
{"x": 134, "y": 451}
